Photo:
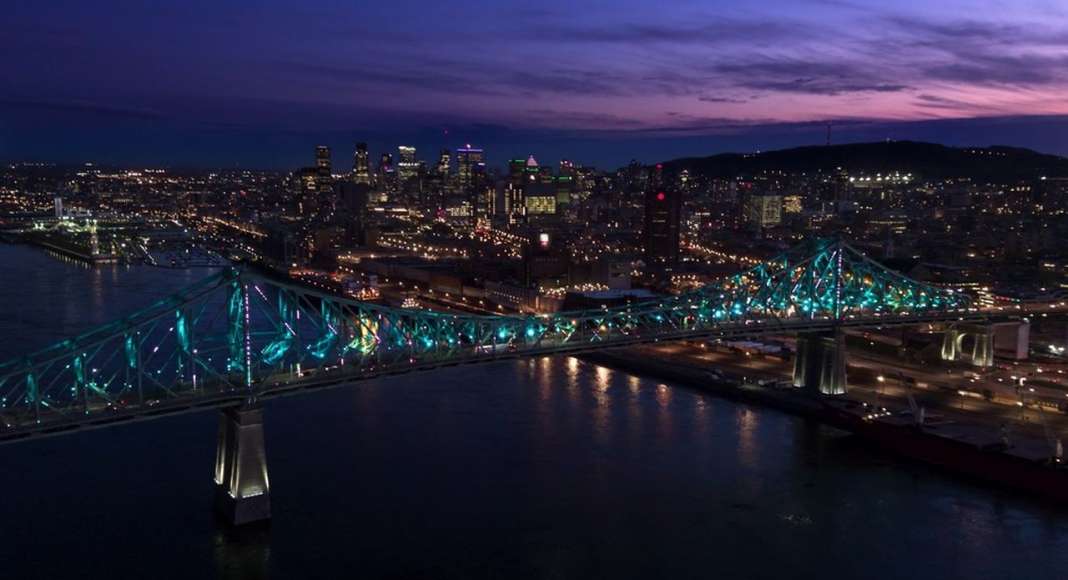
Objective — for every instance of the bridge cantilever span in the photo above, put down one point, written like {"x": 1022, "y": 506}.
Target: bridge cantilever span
{"x": 238, "y": 337}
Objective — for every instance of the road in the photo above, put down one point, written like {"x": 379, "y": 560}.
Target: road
{"x": 952, "y": 390}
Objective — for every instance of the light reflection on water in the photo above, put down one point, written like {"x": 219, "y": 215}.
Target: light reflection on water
{"x": 550, "y": 467}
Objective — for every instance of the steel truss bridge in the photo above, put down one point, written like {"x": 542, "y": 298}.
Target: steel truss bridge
{"x": 240, "y": 336}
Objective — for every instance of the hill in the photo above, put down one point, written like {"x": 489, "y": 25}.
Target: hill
{"x": 927, "y": 160}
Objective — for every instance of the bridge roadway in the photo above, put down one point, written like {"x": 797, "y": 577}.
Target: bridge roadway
{"x": 215, "y": 394}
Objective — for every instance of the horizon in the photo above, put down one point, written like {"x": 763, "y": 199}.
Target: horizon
{"x": 427, "y": 154}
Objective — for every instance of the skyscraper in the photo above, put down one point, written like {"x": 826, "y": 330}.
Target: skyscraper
{"x": 385, "y": 170}
{"x": 470, "y": 166}
{"x": 444, "y": 161}
{"x": 322, "y": 160}
{"x": 516, "y": 168}
{"x": 407, "y": 166}
{"x": 361, "y": 165}
{"x": 763, "y": 210}
{"x": 663, "y": 210}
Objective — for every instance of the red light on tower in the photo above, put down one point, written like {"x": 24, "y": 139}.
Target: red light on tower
{"x": 660, "y": 196}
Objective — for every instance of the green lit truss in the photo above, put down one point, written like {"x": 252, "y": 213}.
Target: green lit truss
{"x": 238, "y": 336}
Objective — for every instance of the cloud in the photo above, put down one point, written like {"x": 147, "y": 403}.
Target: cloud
{"x": 718, "y": 31}
{"x": 82, "y": 107}
{"x": 718, "y": 99}
{"x": 982, "y": 53}
{"x": 829, "y": 78}
{"x": 823, "y": 86}
{"x": 997, "y": 69}
{"x": 582, "y": 118}
{"x": 359, "y": 75}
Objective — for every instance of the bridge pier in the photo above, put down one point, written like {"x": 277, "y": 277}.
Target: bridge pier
{"x": 951, "y": 344}
{"x": 1013, "y": 339}
{"x": 820, "y": 364}
{"x": 242, "y": 490}
{"x": 982, "y": 352}
{"x": 983, "y": 349}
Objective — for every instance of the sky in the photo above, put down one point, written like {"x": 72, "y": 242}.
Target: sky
{"x": 260, "y": 83}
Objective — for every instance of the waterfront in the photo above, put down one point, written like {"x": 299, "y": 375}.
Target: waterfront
{"x": 538, "y": 468}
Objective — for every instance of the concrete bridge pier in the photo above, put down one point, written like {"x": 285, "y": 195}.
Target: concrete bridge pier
{"x": 242, "y": 490}
{"x": 820, "y": 364}
{"x": 951, "y": 344}
{"x": 983, "y": 349}
{"x": 982, "y": 344}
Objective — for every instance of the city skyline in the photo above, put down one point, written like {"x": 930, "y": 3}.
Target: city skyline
{"x": 194, "y": 85}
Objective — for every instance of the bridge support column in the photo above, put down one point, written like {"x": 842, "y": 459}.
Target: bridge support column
{"x": 820, "y": 364}
{"x": 983, "y": 349}
{"x": 1014, "y": 340}
{"x": 242, "y": 491}
{"x": 951, "y": 344}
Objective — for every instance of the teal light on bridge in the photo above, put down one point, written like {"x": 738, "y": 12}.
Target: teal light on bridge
{"x": 227, "y": 342}
{"x": 322, "y": 347}
{"x": 276, "y": 350}
{"x": 181, "y": 327}
{"x": 235, "y": 334}
{"x": 130, "y": 350}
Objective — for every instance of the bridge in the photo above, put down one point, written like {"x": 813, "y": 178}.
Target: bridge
{"x": 241, "y": 336}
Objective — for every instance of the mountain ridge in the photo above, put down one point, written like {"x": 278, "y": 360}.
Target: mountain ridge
{"x": 925, "y": 160}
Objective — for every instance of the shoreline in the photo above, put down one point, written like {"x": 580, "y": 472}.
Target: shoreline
{"x": 966, "y": 450}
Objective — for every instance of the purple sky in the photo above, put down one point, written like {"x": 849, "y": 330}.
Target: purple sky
{"x": 259, "y": 83}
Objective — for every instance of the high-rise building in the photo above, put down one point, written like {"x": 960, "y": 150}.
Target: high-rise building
{"x": 663, "y": 212}
{"x": 385, "y": 170}
{"x": 312, "y": 186}
{"x": 516, "y": 168}
{"x": 361, "y": 165}
{"x": 407, "y": 166}
{"x": 306, "y": 183}
{"x": 763, "y": 210}
{"x": 444, "y": 161}
{"x": 539, "y": 199}
{"x": 470, "y": 166}
{"x": 322, "y": 160}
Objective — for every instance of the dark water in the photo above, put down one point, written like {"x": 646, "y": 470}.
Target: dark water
{"x": 548, "y": 468}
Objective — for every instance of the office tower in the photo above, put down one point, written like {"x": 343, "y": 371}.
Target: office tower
{"x": 385, "y": 170}
{"x": 470, "y": 166}
{"x": 663, "y": 209}
{"x": 407, "y": 166}
{"x": 763, "y": 210}
{"x": 361, "y": 165}
{"x": 444, "y": 161}
{"x": 322, "y": 160}
{"x": 306, "y": 184}
{"x": 516, "y": 169}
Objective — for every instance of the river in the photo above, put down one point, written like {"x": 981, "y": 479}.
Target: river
{"x": 542, "y": 468}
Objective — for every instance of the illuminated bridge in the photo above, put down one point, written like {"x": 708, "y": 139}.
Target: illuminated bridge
{"x": 239, "y": 337}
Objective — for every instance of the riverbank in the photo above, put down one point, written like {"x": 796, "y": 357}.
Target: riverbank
{"x": 959, "y": 445}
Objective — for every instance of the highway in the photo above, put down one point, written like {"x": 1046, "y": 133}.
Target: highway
{"x": 951, "y": 390}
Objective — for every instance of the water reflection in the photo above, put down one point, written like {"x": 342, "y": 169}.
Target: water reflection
{"x": 602, "y": 406}
{"x": 664, "y": 412}
{"x": 747, "y": 437}
{"x": 242, "y": 552}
